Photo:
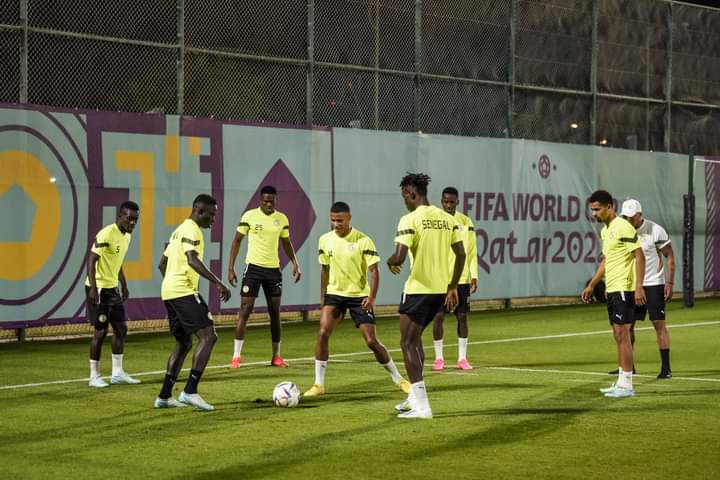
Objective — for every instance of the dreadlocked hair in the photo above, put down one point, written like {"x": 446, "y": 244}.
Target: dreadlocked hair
{"x": 419, "y": 181}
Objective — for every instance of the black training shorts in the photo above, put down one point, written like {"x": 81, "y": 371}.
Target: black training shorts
{"x": 109, "y": 309}
{"x": 187, "y": 315}
{"x": 422, "y": 308}
{"x": 654, "y": 304}
{"x": 254, "y": 277}
{"x": 354, "y": 304}
{"x": 621, "y": 307}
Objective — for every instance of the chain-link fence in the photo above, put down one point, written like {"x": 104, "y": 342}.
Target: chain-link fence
{"x": 641, "y": 74}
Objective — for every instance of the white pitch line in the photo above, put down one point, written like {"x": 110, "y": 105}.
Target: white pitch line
{"x": 353, "y": 354}
{"x": 579, "y": 372}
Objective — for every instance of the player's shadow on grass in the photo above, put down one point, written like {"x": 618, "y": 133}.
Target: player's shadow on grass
{"x": 275, "y": 463}
{"x": 531, "y": 422}
{"x": 592, "y": 364}
{"x": 480, "y": 385}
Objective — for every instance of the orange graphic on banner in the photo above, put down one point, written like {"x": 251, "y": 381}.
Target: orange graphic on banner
{"x": 141, "y": 162}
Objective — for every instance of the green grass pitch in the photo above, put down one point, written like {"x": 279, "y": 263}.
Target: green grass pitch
{"x": 530, "y": 408}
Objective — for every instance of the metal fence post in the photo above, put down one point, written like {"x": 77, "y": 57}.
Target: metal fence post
{"x": 376, "y": 99}
{"x": 418, "y": 61}
{"x": 594, "y": 72}
{"x": 24, "y": 51}
{"x": 180, "y": 63}
{"x": 511, "y": 70}
{"x": 310, "y": 77}
{"x": 668, "y": 79}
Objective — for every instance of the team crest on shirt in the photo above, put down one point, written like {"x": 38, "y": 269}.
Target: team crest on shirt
{"x": 276, "y": 222}
{"x": 352, "y": 246}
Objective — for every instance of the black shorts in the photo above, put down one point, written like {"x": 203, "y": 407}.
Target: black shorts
{"x": 354, "y": 304}
{"x": 621, "y": 308}
{"x": 254, "y": 277}
{"x": 463, "y": 305}
{"x": 422, "y": 307}
{"x": 654, "y": 304}
{"x": 187, "y": 315}
{"x": 109, "y": 310}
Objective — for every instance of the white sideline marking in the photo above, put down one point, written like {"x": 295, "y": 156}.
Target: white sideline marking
{"x": 353, "y": 354}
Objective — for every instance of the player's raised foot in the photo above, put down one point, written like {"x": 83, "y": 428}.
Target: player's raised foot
{"x": 664, "y": 374}
{"x": 608, "y": 389}
{"x": 97, "y": 382}
{"x": 416, "y": 413}
{"x": 195, "y": 400}
{"x": 404, "y": 406}
{"x": 278, "y": 361}
{"x": 464, "y": 365}
{"x": 123, "y": 379}
{"x": 168, "y": 403}
{"x": 235, "y": 362}
{"x": 314, "y": 391}
{"x": 620, "y": 392}
{"x": 438, "y": 364}
{"x": 404, "y": 385}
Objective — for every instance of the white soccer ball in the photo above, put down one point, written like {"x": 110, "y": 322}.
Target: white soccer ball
{"x": 286, "y": 394}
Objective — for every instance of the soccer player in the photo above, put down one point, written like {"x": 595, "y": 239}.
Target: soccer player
{"x": 467, "y": 286}
{"x": 263, "y": 226}
{"x": 346, "y": 255}
{"x": 623, "y": 262}
{"x": 655, "y": 243}
{"x": 429, "y": 234}
{"x": 104, "y": 300}
{"x": 181, "y": 266}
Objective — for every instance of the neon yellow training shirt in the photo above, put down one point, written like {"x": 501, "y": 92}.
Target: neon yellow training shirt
{"x": 263, "y": 232}
{"x": 180, "y": 278}
{"x": 620, "y": 240}
{"x": 110, "y": 245}
{"x": 348, "y": 258}
{"x": 428, "y": 232}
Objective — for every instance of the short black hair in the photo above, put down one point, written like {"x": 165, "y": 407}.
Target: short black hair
{"x": 603, "y": 197}
{"x": 204, "y": 199}
{"x": 268, "y": 190}
{"x": 419, "y": 181}
{"x": 128, "y": 205}
{"x": 450, "y": 191}
{"x": 340, "y": 207}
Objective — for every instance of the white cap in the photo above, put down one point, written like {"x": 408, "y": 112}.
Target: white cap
{"x": 630, "y": 207}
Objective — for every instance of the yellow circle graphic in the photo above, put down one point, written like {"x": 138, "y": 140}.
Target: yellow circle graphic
{"x": 22, "y": 260}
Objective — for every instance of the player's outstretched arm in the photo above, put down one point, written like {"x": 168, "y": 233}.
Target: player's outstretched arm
{"x": 162, "y": 266}
{"x": 639, "y": 276}
{"x": 290, "y": 252}
{"x": 397, "y": 259}
{"x": 91, "y": 263}
{"x": 123, "y": 285}
{"x": 587, "y": 293}
{"x": 368, "y": 302}
{"x": 668, "y": 253}
{"x": 234, "y": 249}
{"x": 451, "y": 298}
{"x": 197, "y": 265}
{"x": 324, "y": 280}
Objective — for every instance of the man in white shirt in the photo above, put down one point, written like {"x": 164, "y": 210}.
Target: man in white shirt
{"x": 655, "y": 243}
